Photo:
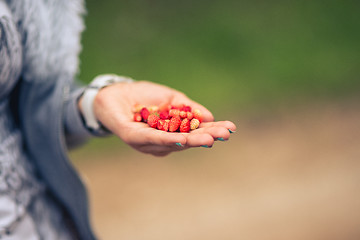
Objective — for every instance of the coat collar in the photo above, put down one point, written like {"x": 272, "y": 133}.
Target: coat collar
{"x": 50, "y": 32}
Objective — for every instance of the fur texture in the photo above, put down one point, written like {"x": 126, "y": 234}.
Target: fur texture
{"x": 50, "y": 32}
{"x": 10, "y": 52}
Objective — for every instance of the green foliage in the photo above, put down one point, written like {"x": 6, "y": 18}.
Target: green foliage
{"x": 235, "y": 53}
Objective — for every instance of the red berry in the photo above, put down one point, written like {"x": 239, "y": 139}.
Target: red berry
{"x": 183, "y": 114}
{"x": 186, "y": 108}
{"x": 174, "y": 124}
{"x": 167, "y": 117}
{"x": 137, "y": 108}
{"x": 160, "y": 124}
{"x": 164, "y": 107}
{"x": 166, "y": 125}
{"x": 153, "y": 108}
{"x": 185, "y": 125}
{"x": 137, "y": 117}
{"x": 197, "y": 114}
{"x": 153, "y": 120}
{"x": 194, "y": 123}
{"x": 164, "y": 115}
{"x": 190, "y": 115}
{"x": 144, "y": 114}
{"x": 177, "y": 107}
{"x": 174, "y": 112}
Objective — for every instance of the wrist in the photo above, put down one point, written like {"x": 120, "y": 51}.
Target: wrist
{"x": 87, "y": 99}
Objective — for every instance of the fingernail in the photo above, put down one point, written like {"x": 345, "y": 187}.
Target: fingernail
{"x": 205, "y": 146}
{"x": 179, "y": 144}
{"x": 231, "y": 131}
{"x": 221, "y": 139}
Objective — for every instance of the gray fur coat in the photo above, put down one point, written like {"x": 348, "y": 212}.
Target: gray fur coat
{"x": 50, "y": 32}
{"x": 39, "y": 47}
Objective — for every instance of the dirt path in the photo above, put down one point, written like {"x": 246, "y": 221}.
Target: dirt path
{"x": 290, "y": 176}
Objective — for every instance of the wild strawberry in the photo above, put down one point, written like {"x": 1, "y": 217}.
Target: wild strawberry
{"x": 137, "y": 117}
{"x": 174, "y": 112}
{"x": 137, "y": 108}
{"x": 160, "y": 124}
{"x": 164, "y": 115}
{"x": 177, "y": 107}
{"x": 186, "y": 108}
{"x": 174, "y": 124}
{"x": 144, "y": 114}
{"x": 153, "y": 108}
{"x": 164, "y": 107}
{"x": 185, "y": 125}
{"x": 194, "y": 123}
{"x": 166, "y": 125}
{"x": 183, "y": 114}
{"x": 197, "y": 114}
{"x": 190, "y": 115}
{"x": 153, "y": 120}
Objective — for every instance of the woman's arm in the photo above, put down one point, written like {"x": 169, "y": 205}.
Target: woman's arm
{"x": 75, "y": 131}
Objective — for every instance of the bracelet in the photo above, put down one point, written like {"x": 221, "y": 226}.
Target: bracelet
{"x": 89, "y": 95}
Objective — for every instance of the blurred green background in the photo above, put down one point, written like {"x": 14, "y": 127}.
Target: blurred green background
{"x": 231, "y": 56}
{"x": 286, "y": 72}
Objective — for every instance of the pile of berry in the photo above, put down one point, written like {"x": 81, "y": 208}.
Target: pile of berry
{"x": 168, "y": 118}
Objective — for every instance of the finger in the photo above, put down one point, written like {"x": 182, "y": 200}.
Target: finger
{"x": 206, "y": 114}
{"x": 226, "y": 124}
{"x": 151, "y": 136}
{"x": 159, "y": 150}
{"x": 199, "y": 139}
{"x": 216, "y": 132}
{"x": 162, "y": 148}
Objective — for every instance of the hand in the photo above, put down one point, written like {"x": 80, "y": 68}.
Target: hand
{"x": 113, "y": 108}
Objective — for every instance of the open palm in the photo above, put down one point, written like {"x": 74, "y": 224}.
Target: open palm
{"x": 113, "y": 108}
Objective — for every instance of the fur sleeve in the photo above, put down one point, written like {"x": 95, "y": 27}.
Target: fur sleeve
{"x": 10, "y": 51}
